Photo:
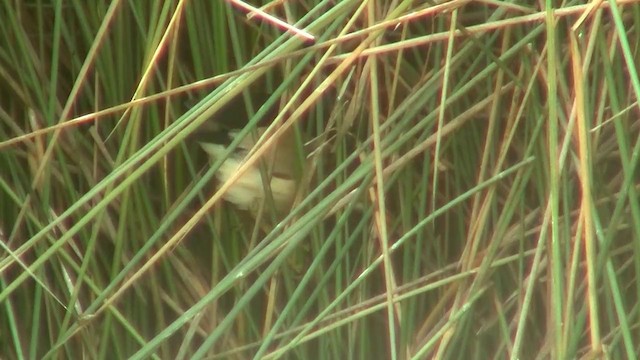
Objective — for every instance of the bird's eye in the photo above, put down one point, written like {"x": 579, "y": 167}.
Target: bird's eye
{"x": 240, "y": 153}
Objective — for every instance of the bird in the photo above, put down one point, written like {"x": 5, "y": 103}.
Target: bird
{"x": 249, "y": 190}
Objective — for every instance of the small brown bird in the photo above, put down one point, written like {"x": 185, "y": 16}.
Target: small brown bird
{"x": 249, "y": 191}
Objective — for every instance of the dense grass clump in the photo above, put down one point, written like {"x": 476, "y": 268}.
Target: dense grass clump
{"x": 467, "y": 180}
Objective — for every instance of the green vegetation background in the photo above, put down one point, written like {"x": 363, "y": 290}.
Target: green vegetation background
{"x": 472, "y": 193}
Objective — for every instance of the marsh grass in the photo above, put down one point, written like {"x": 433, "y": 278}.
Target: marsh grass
{"x": 472, "y": 190}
